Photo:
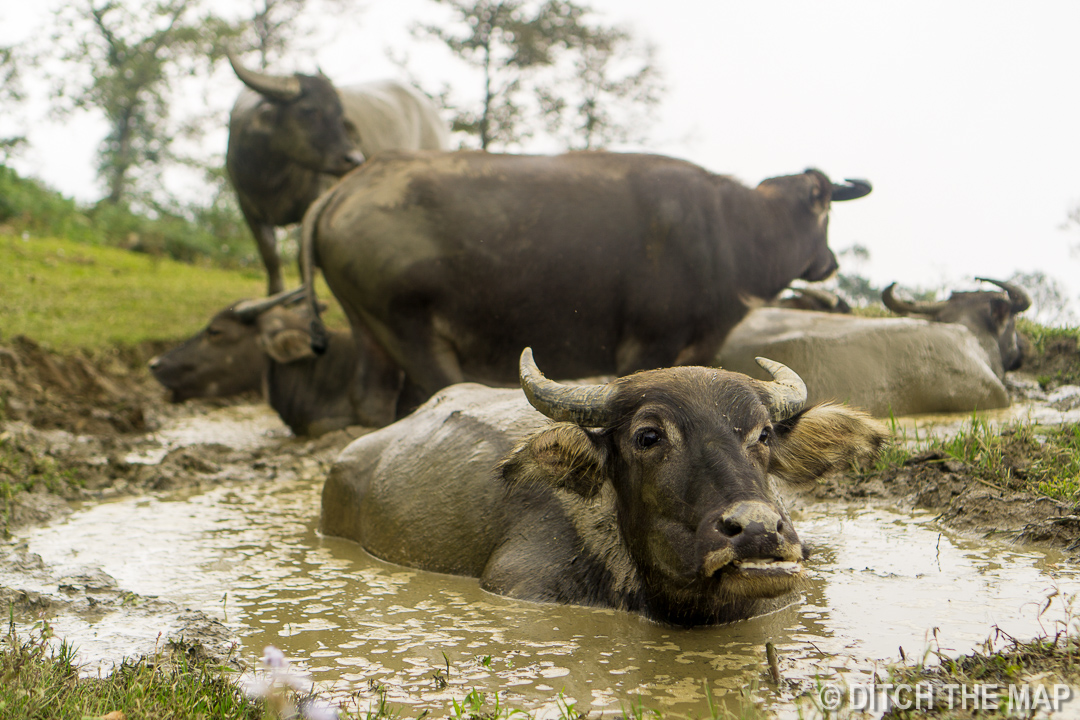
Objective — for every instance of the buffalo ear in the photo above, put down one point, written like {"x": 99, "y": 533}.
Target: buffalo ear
{"x": 563, "y": 455}
{"x": 288, "y": 345}
{"x": 822, "y": 440}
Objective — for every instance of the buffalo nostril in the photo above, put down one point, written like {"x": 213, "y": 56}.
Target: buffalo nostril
{"x": 730, "y": 526}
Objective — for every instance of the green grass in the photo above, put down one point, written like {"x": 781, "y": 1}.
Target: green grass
{"x": 1042, "y": 661}
{"x": 1041, "y": 336}
{"x": 1022, "y": 457}
{"x": 40, "y": 681}
{"x": 68, "y": 295}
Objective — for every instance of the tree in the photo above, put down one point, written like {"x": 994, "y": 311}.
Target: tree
{"x": 128, "y": 62}
{"x": 521, "y": 49}
{"x": 1050, "y": 301}
{"x": 11, "y": 93}
{"x": 276, "y": 26}
{"x": 610, "y": 94}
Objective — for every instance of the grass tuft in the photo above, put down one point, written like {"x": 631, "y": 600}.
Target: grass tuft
{"x": 39, "y": 680}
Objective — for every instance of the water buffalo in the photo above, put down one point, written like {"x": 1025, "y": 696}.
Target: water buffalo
{"x": 990, "y": 315}
{"x": 263, "y": 345}
{"x": 290, "y": 136}
{"x": 651, "y": 493}
{"x": 447, "y": 263}
{"x": 899, "y": 366}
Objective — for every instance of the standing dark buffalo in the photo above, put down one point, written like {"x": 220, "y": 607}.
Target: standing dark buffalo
{"x": 650, "y": 494}
{"x": 989, "y": 315}
{"x": 289, "y": 136}
{"x": 263, "y": 345}
{"x": 448, "y": 263}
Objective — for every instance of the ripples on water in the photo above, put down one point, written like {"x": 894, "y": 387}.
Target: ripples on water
{"x": 879, "y": 580}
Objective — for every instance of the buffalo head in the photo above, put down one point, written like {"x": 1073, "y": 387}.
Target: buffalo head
{"x": 989, "y": 315}
{"x": 685, "y": 456}
{"x": 302, "y": 119}
{"x": 810, "y": 196}
{"x": 228, "y": 356}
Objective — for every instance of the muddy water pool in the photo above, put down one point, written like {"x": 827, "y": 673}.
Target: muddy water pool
{"x": 251, "y": 557}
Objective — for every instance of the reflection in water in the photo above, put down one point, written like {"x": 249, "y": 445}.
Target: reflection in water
{"x": 879, "y": 580}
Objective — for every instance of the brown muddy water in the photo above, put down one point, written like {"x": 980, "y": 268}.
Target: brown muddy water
{"x": 249, "y": 555}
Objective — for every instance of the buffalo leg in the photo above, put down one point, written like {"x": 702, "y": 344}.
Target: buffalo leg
{"x": 634, "y": 354}
{"x": 375, "y": 388}
{"x": 266, "y": 241}
{"x": 411, "y": 397}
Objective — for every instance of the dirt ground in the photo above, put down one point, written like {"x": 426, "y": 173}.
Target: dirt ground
{"x": 72, "y": 426}
{"x": 933, "y": 481}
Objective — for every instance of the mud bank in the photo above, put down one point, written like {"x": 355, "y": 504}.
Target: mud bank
{"x": 932, "y": 480}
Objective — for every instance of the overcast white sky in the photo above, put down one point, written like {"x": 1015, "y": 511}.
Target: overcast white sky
{"x": 964, "y": 115}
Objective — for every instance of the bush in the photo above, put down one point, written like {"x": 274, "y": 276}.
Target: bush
{"x": 212, "y": 234}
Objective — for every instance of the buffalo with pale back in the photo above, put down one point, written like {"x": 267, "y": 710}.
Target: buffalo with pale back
{"x": 448, "y": 263}
{"x": 263, "y": 345}
{"x": 291, "y": 136}
{"x": 652, "y": 493}
{"x": 990, "y": 316}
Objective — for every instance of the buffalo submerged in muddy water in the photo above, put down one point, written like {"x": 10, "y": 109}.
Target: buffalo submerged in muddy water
{"x": 651, "y": 493}
{"x": 447, "y": 264}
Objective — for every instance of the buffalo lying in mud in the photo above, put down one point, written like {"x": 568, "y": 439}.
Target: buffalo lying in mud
{"x": 448, "y": 263}
{"x": 807, "y": 298}
{"x": 990, "y": 315}
{"x": 291, "y": 135}
{"x": 651, "y": 493}
{"x": 900, "y": 366}
{"x": 263, "y": 345}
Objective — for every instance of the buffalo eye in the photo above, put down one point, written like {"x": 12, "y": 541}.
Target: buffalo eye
{"x": 213, "y": 332}
{"x": 766, "y": 435}
{"x": 647, "y": 437}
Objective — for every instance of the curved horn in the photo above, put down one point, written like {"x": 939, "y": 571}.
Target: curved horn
{"x": 1019, "y": 298}
{"x": 852, "y": 190}
{"x": 824, "y": 297}
{"x": 585, "y": 405}
{"x": 787, "y": 391}
{"x": 907, "y": 307}
{"x": 247, "y": 310}
{"x": 283, "y": 88}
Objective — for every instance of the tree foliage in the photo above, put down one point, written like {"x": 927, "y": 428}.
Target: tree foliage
{"x": 543, "y": 66}
{"x": 276, "y": 27}
{"x": 11, "y": 93}
{"x": 129, "y": 61}
{"x": 1050, "y": 301}
{"x": 608, "y": 96}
